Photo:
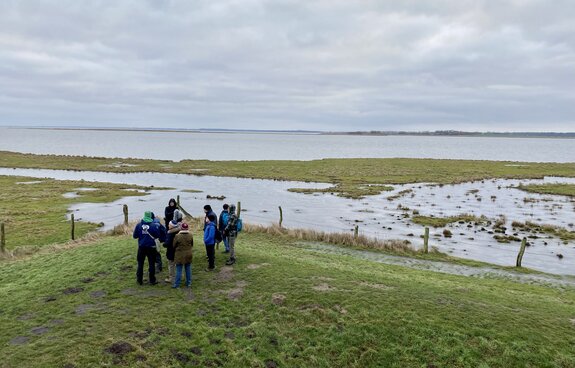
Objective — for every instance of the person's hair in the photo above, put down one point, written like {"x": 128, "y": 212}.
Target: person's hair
{"x": 212, "y": 217}
{"x": 226, "y": 206}
{"x": 172, "y": 200}
{"x": 207, "y": 207}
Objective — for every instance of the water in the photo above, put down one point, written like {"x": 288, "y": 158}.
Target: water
{"x": 376, "y": 216}
{"x": 239, "y": 146}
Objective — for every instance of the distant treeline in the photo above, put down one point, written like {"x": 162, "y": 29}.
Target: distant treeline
{"x": 463, "y": 134}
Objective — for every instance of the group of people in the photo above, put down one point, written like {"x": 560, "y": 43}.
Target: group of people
{"x": 174, "y": 236}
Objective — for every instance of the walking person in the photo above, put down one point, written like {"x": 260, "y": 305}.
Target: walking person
{"x": 231, "y": 232}
{"x": 222, "y": 223}
{"x": 147, "y": 233}
{"x": 210, "y": 241}
{"x": 183, "y": 244}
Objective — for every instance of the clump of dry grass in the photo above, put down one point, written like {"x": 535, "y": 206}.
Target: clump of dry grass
{"x": 344, "y": 239}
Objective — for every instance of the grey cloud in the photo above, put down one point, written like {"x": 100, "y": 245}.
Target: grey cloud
{"x": 330, "y": 65}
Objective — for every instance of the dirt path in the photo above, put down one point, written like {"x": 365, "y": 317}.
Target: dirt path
{"x": 443, "y": 267}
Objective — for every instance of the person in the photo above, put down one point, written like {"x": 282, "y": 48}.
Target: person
{"x": 208, "y": 211}
{"x": 147, "y": 232}
{"x": 183, "y": 244}
{"x": 210, "y": 240}
{"x": 173, "y": 229}
{"x": 222, "y": 223}
{"x": 169, "y": 211}
{"x": 159, "y": 264}
{"x": 231, "y": 232}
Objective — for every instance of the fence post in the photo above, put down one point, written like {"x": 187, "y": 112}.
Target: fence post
{"x": 125, "y": 215}
{"x": 72, "y": 223}
{"x": 239, "y": 208}
{"x": 426, "y": 241}
{"x": 356, "y": 231}
{"x": 178, "y": 201}
{"x": 521, "y": 252}
{"x": 281, "y": 216}
{"x": 2, "y": 238}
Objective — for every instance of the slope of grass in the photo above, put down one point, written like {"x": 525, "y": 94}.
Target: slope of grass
{"x": 35, "y": 213}
{"x": 351, "y": 177}
{"x": 557, "y": 189}
{"x": 279, "y": 306}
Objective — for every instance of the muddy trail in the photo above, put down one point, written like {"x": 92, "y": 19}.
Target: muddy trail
{"x": 443, "y": 267}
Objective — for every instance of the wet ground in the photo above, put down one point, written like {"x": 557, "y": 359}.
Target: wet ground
{"x": 386, "y": 216}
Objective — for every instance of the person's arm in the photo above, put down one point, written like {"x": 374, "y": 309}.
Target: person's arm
{"x": 212, "y": 234}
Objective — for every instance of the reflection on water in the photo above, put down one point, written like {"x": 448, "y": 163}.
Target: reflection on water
{"x": 376, "y": 216}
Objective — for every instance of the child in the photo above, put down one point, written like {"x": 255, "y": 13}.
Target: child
{"x": 183, "y": 244}
{"x": 210, "y": 240}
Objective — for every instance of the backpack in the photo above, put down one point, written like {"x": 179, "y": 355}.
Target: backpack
{"x": 224, "y": 217}
{"x": 239, "y": 225}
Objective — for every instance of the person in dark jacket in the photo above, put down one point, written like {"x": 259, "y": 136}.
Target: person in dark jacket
{"x": 208, "y": 211}
{"x": 159, "y": 265}
{"x": 222, "y": 223}
{"x": 147, "y": 232}
{"x": 210, "y": 240}
{"x": 231, "y": 232}
{"x": 183, "y": 244}
{"x": 173, "y": 230}
{"x": 169, "y": 211}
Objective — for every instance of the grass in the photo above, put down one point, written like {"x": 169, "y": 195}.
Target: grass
{"x": 35, "y": 214}
{"x": 444, "y": 221}
{"x": 280, "y": 305}
{"x": 560, "y": 232}
{"x": 354, "y": 178}
{"x": 557, "y": 189}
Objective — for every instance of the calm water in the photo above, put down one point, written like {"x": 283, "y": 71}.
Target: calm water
{"x": 251, "y": 147}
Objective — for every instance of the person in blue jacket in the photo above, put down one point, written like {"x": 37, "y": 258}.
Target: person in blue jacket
{"x": 147, "y": 232}
{"x": 222, "y": 223}
{"x": 210, "y": 240}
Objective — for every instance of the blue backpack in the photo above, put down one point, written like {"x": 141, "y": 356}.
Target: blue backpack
{"x": 239, "y": 225}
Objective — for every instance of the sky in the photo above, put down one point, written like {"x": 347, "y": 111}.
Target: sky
{"x": 333, "y": 65}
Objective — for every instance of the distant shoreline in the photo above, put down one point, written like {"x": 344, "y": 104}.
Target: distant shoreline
{"x": 439, "y": 133}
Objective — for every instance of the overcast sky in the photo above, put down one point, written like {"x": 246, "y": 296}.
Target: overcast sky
{"x": 501, "y": 65}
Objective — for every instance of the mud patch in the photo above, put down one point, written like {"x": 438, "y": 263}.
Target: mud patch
{"x": 278, "y": 299}
{"x": 120, "y": 348}
{"x": 255, "y": 266}
{"x": 340, "y": 309}
{"x": 126, "y": 268}
{"x": 375, "y": 286}
{"x": 323, "y": 288}
{"x": 26, "y": 317}
{"x": 235, "y": 294}
{"x": 225, "y": 274}
{"x": 72, "y": 290}
{"x": 87, "y": 280}
{"x": 49, "y": 299}
{"x": 56, "y": 322}
{"x": 270, "y": 364}
{"x": 190, "y": 295}
{"x": 19, "y": 340}
{"x": 180, "y": 357}
{"x": 196, "y": 350}
{"x": 98, "y": 294}
{"x": 229, "y": 335}
{"x": 85, "y": 308}
{"x": 129, "y": 291}
{"x": 39, "y": 330}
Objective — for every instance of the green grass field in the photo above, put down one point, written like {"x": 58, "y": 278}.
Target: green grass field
{"x": 352, "y": 178}
{"x": 557, "y": 189}
{"x": 34, "y": 214}
{"x": 279, "y": 306}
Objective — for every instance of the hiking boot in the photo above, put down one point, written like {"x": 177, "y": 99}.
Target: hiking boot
{"x": 209, "y": 269}
{"x": 168, "y": 280}
{"x": 230, "y": 261}
{"x": 140, "y": 282}
{"x": 154, "y": 283}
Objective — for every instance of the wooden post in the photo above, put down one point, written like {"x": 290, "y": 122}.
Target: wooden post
{"x": 2, "y": 238}
{"x": 72, "y": 223}
{"x": 239, "y": 209}
{"x": 356, "y": 232}
{"x": 426, "y": 240}
{"x": 281, "y": 216}
{"x": 178, "y": 201}
{"x": 521, "y": 252}
{"x": 125, "y": 215}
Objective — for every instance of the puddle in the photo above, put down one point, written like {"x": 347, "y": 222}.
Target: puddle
{"x": 385, "y": 216}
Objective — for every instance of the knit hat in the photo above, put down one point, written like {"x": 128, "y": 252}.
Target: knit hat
{"x": 184, "y": 226}
{"x": 147, "y": 216}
